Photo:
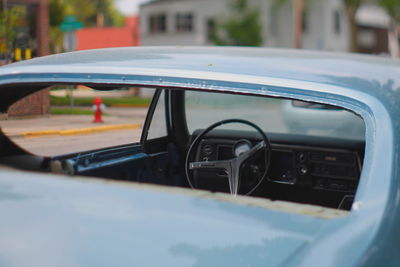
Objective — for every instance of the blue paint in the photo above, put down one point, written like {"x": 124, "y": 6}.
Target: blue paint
{"x": 369, "y": 86}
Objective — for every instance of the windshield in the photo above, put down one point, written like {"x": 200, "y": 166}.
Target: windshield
{"x": 272, "y": 115}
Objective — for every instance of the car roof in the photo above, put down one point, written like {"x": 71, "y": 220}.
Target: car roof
{"x": 376, "y": 76}
{"x": 347, "y": 70}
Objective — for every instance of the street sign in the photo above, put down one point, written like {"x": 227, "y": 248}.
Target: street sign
{"x": 69, "y": 42}
{"x": 69, "y": 26}
{"x": 70, "y": 23}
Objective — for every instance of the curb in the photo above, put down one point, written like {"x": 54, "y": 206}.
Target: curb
{"x": 89, "y": 130}
{"x": 129, "y": 105}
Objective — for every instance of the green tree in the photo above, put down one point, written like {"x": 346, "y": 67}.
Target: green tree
{"x": 57, "y": 11}
{"x": 90, "y": 13}
{"x": 392, "y": 7}
{"x": 9, "y": 21}
{"x": 242, "y": 29}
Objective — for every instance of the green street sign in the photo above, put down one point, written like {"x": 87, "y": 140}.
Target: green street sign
{"x": 70, "y": 23}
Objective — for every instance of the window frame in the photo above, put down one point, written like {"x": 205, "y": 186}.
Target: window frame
{"x": 184, "y": 22}
{"x": 158, "y": 23}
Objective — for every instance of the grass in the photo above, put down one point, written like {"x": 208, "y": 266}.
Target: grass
{"x": 71, "y": 111}
{"x": 88, "y": 101}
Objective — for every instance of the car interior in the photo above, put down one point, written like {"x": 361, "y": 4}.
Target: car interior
{"x": 264, "y": 147}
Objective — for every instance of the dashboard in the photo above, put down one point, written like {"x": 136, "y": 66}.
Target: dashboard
{"x": 299, "y": 168}
{"x": 314, "y": 170}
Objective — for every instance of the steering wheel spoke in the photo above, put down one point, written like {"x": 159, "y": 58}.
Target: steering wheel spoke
{"x": 231, "y": 167}
{"x": 234, "y": 177}
{"x": 210, "y": 165}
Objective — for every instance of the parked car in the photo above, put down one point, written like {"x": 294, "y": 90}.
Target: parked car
{"x": 301, "y": 118}
{"x": 217, "y": 178}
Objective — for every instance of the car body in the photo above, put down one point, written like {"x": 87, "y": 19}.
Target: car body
{"x": 52, "y": 219}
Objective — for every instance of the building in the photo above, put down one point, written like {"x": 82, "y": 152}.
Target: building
{"x": 372, "y": 30}
{"x": 190, "y": 22}
{"x": 104, "y": 37}
{"x": 325, "y": 24}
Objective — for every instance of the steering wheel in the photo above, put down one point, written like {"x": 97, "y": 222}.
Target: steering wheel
{"x": 232, "y": 167}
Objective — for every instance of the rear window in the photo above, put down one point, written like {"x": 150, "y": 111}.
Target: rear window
{"x": 273, "y": 115}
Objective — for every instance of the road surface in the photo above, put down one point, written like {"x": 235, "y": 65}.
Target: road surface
{"x": 58, "y": 145}
{"x": 52, "y": 145}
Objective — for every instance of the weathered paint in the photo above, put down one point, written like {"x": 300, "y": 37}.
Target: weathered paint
{"x": 369, "y": 86}
{"x": 53, "y": 221}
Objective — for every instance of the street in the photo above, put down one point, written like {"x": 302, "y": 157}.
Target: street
{"x": 57, "y": 145}
{"x": 51, "y": 145}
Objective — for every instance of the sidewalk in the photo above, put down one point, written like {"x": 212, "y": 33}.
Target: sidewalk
{"x": 117, "y": 119}
{"x": 87, "y": 92}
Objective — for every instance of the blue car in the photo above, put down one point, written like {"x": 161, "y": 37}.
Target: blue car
{"x": 247, "y": 157}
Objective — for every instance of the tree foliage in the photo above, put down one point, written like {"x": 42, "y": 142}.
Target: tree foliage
{"x": 86, "y": 11}
{"x": 9, "y": 21}
{"x": 352, "y": 3}
{"x": 57, "y": 9}
{"x": 242, "y": 29}
{"x": 392, "y": 7}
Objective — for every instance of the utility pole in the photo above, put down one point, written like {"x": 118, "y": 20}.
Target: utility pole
{"x": 298, "y": 9}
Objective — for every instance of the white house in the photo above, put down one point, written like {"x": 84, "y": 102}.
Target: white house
{"x": 325, "y": 27}
{"x": 190, "y": 22}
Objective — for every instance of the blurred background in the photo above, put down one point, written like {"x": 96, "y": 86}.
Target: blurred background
{"x": 30, "y": 28}
{"x": 34, "y": 28}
